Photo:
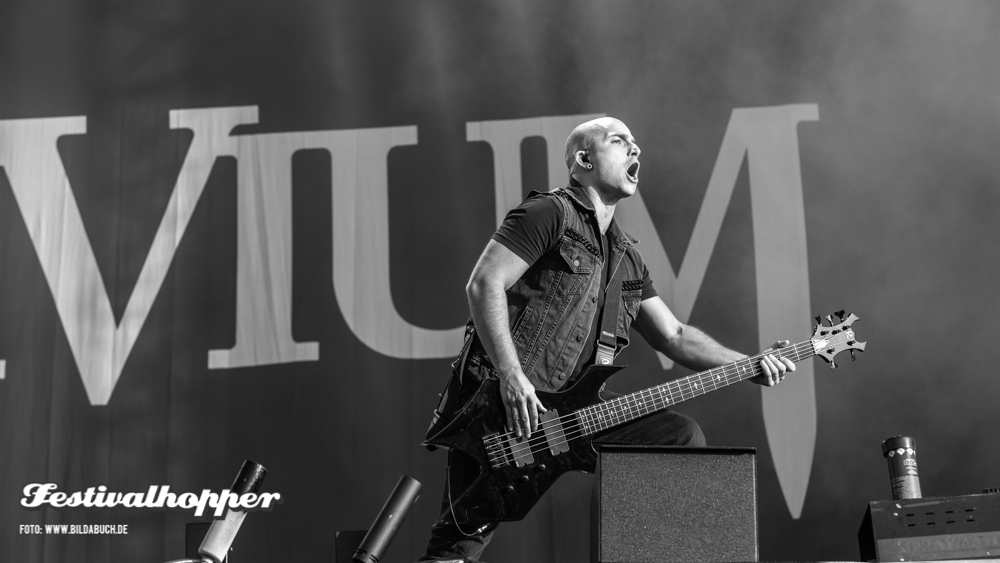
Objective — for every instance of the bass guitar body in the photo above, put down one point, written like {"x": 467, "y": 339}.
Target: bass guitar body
{"x": 514, "y": 473}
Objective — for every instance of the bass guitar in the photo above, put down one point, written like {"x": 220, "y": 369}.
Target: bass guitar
{"x": 514, "y": 472}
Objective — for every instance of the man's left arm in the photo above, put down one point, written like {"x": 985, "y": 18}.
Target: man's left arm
{"x": 696, "y": 350}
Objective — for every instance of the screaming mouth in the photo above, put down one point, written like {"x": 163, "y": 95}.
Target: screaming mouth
{"x": 633, "y": 172}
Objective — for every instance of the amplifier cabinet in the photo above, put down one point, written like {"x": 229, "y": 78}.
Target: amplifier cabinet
{"x": 667, "y": 503}
{"x": 930, "y": 529}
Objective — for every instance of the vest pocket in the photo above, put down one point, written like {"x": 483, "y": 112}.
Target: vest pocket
{"x": 577, "y": 260}
{"x": 631, "y": 301}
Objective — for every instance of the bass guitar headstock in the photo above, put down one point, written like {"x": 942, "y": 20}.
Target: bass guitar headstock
{"x": 830, "y": 340}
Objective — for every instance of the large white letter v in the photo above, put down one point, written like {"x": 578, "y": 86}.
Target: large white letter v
{"x": 28, "y": 153}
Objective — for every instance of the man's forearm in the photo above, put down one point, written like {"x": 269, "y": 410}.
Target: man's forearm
{"x": 696, "y": 350}
{"x": 488, "y": 305}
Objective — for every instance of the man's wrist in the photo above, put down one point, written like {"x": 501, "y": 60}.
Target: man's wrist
{"x": 508, "y": 372}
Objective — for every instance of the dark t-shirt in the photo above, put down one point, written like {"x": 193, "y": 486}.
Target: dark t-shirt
{"x": 532, "y": 229}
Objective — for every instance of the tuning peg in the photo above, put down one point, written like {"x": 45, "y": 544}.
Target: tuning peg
{"x": 841, "y": 313}
{"x": 852, "y": 356}
{"x": 819, "y": 320}
{"x": 829, "y": 319}
{"x": 833, "y": 364}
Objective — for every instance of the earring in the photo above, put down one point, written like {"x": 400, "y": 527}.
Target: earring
{"x": 589, "y": 166}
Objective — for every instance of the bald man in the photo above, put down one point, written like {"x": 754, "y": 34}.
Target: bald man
{"x": 537, "y": 295}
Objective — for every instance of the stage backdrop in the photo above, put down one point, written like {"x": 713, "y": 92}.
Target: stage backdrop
{"x": 242, "y": 230}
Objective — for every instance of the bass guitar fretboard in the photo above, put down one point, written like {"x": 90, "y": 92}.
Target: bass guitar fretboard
{"x": 608, "y": 414}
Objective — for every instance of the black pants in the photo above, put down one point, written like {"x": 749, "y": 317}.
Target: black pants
{"x": 665, "y": 428}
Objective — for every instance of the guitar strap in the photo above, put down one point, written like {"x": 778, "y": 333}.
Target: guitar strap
{"x": 608, "y": 342}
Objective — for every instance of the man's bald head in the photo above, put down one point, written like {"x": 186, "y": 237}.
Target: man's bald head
{"x": 582, "y": 137}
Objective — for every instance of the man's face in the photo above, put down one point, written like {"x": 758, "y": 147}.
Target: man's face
{"x": 615, "y": 158}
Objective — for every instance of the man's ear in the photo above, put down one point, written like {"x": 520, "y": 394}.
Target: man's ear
{"x": 583, "y": 159}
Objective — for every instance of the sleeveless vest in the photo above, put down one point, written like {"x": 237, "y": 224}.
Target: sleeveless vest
{"x": 552, "y": 307}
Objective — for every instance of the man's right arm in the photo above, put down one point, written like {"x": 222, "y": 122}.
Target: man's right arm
{"x": 496, "y": 271}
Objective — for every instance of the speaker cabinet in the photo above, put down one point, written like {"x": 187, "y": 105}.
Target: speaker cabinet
{"x": 667, "y": 503}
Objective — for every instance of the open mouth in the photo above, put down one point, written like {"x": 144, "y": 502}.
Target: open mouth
{"x": 633, "y": 172}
